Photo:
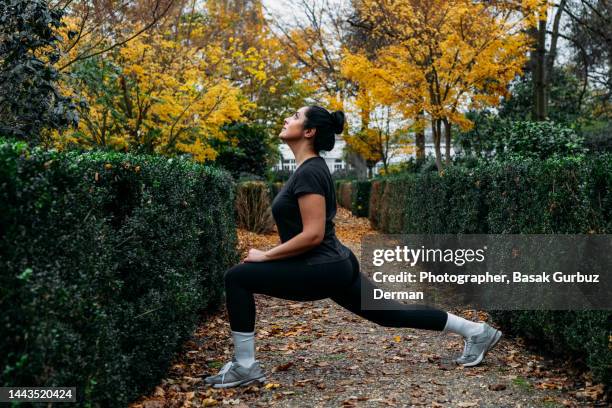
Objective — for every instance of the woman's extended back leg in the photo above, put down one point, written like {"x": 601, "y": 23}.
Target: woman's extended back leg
{"x": 398, "y": 315}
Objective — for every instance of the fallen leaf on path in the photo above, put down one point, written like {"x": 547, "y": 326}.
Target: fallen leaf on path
{"x": 282, "y": 367}
{"x": 209, "y": 402}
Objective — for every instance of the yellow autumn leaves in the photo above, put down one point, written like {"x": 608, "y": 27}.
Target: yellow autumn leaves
{"x": 439, "y": 58}
{"x": 169, "y": 89}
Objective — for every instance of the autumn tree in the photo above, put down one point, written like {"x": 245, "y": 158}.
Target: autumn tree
{"x": 278, "y": 85}
{"x": 442, "y": 57}
{"x": 100, "y": 26}
{"x": 384, "y": 130}
{"x": 313, "y": 40}
{"x": 166, "y": 81}
{"x": 156, "y": 96}
{"x": 166, "y": 90}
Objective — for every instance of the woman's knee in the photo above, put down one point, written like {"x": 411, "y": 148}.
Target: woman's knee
{"x": 233, "y": 274}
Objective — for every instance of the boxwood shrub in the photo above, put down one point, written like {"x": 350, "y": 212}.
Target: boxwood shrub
{"x": 107, "y": 261}
{"x": 559, "y": 195}
{"x": 360, "y": 200}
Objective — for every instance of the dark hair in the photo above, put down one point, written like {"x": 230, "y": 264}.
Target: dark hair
{"x": 327, "y": 125}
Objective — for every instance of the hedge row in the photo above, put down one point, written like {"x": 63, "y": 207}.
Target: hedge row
{"x": 354, "y": 195}
{"x": 107, "y": 261}
{"x": 528, "y": 196}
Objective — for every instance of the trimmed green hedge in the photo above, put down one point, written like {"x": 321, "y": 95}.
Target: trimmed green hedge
{"x": 522, "y": 196}
{"x": 107, "y": 261}
{"x": 375, "y": 205}
{"x": 360, "y": 200}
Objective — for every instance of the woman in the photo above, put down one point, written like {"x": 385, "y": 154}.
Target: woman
{"x": 312, "y": 264}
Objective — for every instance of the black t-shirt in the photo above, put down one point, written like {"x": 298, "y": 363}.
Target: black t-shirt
{"x": 312, "y": 176}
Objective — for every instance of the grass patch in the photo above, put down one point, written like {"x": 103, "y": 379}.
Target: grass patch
{"x": 522, "y": 383}
{"x": 334, "y": 357}
{"x": 215, "y": 364}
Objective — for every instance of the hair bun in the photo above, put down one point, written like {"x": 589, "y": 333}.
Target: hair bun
{"x": 338, "y": 120}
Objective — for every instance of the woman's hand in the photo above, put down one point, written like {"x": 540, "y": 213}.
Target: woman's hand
{"x": 255, "y": 255}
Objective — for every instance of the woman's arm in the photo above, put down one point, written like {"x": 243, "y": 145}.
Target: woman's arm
{"x": 312, "y": 209}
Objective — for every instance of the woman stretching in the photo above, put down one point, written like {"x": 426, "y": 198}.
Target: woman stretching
{"x": 312, "y": 264}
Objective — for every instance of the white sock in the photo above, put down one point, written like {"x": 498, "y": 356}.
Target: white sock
{"x": 464, "y": 327}
{"x": 244, "y": 347}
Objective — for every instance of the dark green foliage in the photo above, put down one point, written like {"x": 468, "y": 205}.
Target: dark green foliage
{"x": 337, "y": 184}
{"x": 394, "y": 200}
{"x": 107, "y": 260}
{"x": 540, "y": 140}
{"x": 250, "y": 152}
{"x": 375, "y": 204}
{"x": 583, "y": 334}
{"x": 361, "y": 197}
{"x": 566, "y": 98}
{"x": 274, "y": 188}
{"x": 598, "y": 137}
{"x": 30, "y": 100}
{"x": 278, "y": 175}
{"x": 493, "y": 137}
{"x": 518, "y": 196}
{"x": 484, "y": 138}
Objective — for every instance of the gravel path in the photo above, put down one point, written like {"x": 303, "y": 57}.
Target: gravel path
{"x": 317, "y": 354}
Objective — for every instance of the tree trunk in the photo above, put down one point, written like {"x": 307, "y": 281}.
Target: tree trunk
{"x": 447, "y": 140}
{"x": 420, "y": 144}
{"x": 554, "y": 38}
{"x": 435, "y": 128}
{"x": 539, "y": 75}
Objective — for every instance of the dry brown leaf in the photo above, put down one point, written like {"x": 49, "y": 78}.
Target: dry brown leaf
{"x": 282, "y": 367}
{"x": 497, "y": 387}
{"x": 209, "y": 402}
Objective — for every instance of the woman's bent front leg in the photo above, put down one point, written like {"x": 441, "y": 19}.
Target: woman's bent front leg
{"x": 291, "y": 279}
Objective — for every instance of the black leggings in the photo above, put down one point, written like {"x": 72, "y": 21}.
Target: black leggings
{"x": 294, "y": 279}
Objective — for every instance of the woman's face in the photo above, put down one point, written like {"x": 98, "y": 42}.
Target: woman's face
{"x": 294, "y": 125}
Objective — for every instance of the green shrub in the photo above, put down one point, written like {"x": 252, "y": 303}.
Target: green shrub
{"x": 374, "y": 206}
{"x": 540, "y": 140}
{"x": 244, "y": 150}
{"x": 107, "y": 260}
{"x": 585, "y": 335}
{"x": 521, "y": 195}
{"x": 398, "y": 190}
{"x": 279, "y": 175}
{"x": 360, "y": 201}
{"x": 274, "y": 188}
